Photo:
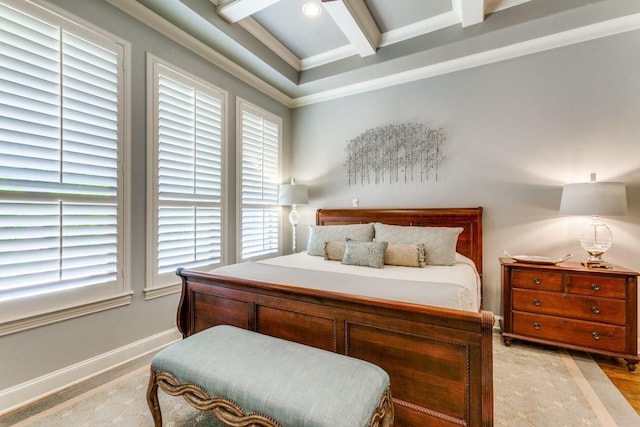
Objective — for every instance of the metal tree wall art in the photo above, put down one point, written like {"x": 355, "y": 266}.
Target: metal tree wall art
{"x": 394, "y": 153}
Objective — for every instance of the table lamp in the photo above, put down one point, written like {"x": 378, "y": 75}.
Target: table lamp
{"x": 293, "y": 194}
{"x": 595, "y": 199}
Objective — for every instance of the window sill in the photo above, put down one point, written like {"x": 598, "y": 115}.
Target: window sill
{"x": 160, "y": 291}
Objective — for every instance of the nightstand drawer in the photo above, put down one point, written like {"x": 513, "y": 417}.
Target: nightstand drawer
{"x": 541, "y": 280}
{"x": 569, "y": 331}
{"x": 573, "y": 306}
{"x": 605, "y": 310}
{"x": 608, "y": 287}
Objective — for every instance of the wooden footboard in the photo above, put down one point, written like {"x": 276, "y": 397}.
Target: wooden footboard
{"x": 439, "y": 360}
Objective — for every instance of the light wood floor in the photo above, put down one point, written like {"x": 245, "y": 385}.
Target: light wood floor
{"x": 627, "y": 382}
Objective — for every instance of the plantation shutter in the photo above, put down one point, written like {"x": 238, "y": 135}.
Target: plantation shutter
{"x": 189, "y": 175}
{"x": 59, "y": 142}
{"x": 259, "y": 190}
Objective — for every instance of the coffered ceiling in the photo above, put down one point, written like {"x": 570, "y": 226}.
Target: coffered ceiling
{"x": 354, "y": 46}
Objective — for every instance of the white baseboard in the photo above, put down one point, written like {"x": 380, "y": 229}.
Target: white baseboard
{"x": 497, "y": 321}
{"x": 14, "y": 397}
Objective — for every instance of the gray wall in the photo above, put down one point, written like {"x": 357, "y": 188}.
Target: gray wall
{"x": 36, "y": 352}
{"x": 517, "y": 131}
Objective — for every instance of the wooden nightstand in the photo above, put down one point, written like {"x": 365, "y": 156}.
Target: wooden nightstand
{"x": 571, "y": 306}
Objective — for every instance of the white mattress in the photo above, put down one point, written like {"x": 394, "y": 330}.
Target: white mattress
{"x": 410, "y": 284}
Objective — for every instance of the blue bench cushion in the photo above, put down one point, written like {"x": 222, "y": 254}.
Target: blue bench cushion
{"x": 294, "y": 384}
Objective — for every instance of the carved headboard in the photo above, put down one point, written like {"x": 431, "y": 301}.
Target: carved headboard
{"x": 470, "y": 219}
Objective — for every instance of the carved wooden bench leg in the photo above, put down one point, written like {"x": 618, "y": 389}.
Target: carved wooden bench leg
{"x": 384, "y": 414}
{"x": 152, "y": 399}
{"x": 226, "y": 410}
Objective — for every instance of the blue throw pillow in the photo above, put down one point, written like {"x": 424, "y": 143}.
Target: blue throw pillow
{"x": 366, "y": 254}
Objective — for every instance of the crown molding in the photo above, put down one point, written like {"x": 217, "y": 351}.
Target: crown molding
{"x": 492, "y": 6}
{"x": 153, "y": 20}
{"x": 419, "y": 28}
{"x": 328, "y": 57}
{"x": 540, "y": 44}
{"x": 553, "y": 41}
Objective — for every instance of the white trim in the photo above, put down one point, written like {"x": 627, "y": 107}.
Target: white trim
{"x": 19, "y": 395}
{"x": 235, "y": 10}
{"x": 244, "y": 105}
{"x": 47, "y": 318}
{"x": 355, "y": 22}
{"x": 471, "y": 12}
{"x": 420, "y": 28}
{"x": 398, "y": 35}
{"x": 566, "y": 38}
{"x": 125, "y": 213}
{"x": 492, "y": 6}
{"x": 166, "y": 28}
{"x": 161, "y": 291}
{"x": 541, "y": 44}
{"x": 151, "y": 237}
{"x": 160, "y": 284}
{"x": 45, "y": 308}
{"x": 258, "y": 31}
{"x": 328, "y": 57}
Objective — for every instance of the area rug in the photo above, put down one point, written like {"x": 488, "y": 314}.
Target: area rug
{"x": 533, "y": 386}
{"x": 543, "y": 386}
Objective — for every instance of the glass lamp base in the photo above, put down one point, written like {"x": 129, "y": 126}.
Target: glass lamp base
{"x": 596, "y": 239}
{"x": 294, "y": 217}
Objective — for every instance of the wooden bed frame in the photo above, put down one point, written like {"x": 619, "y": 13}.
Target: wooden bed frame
{"x": 440, "y": 360}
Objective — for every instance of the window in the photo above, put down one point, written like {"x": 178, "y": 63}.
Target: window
{"x": 186, "y": 152}
{"x": 63, "y": 144}
{"x": 259, "y": 156}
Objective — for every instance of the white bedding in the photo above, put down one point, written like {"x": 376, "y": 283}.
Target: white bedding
{"x": 459, "y": 284}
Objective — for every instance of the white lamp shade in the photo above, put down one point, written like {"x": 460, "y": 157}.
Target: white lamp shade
{"x": 594, "y": 198}
{"x": 293, "y": 194}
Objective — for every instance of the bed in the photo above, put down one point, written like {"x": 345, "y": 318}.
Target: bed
{"x": 439, "y": 359}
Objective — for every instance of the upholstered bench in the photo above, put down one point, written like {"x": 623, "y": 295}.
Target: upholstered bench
{"x": 247, "y": 378}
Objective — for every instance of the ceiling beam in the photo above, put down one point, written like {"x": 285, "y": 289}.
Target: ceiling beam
{"x": 357, "y": 24}
{"x": 471, "y": 12}
{"x": 235, "y": 10}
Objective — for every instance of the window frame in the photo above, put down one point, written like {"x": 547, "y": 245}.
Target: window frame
{"x": 244, "y": 105}
{"x": 18, "y": 314}
{"x": 160, "y": 284}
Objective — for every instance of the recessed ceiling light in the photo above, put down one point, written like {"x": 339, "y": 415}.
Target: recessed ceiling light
{"x": 311, "y": 9}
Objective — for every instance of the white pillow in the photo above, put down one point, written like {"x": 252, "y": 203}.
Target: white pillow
{"x": 440, "y": 242}
{"x": 319, "y": 234}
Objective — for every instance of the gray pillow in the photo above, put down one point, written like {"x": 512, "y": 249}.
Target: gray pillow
{"x": 440, "y": 242}
{"x": 319, "y": 234}
{"x": 366, "y": 254}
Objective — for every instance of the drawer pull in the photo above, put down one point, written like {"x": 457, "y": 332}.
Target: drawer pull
{"x": 595, "y": 309}
{"x": 536, "y": 302}
{"x": 536, "y": 326}
{"x": 595, "y": 335}
{"x": 595, "y": 286}
{"x": 537, "y": 281}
